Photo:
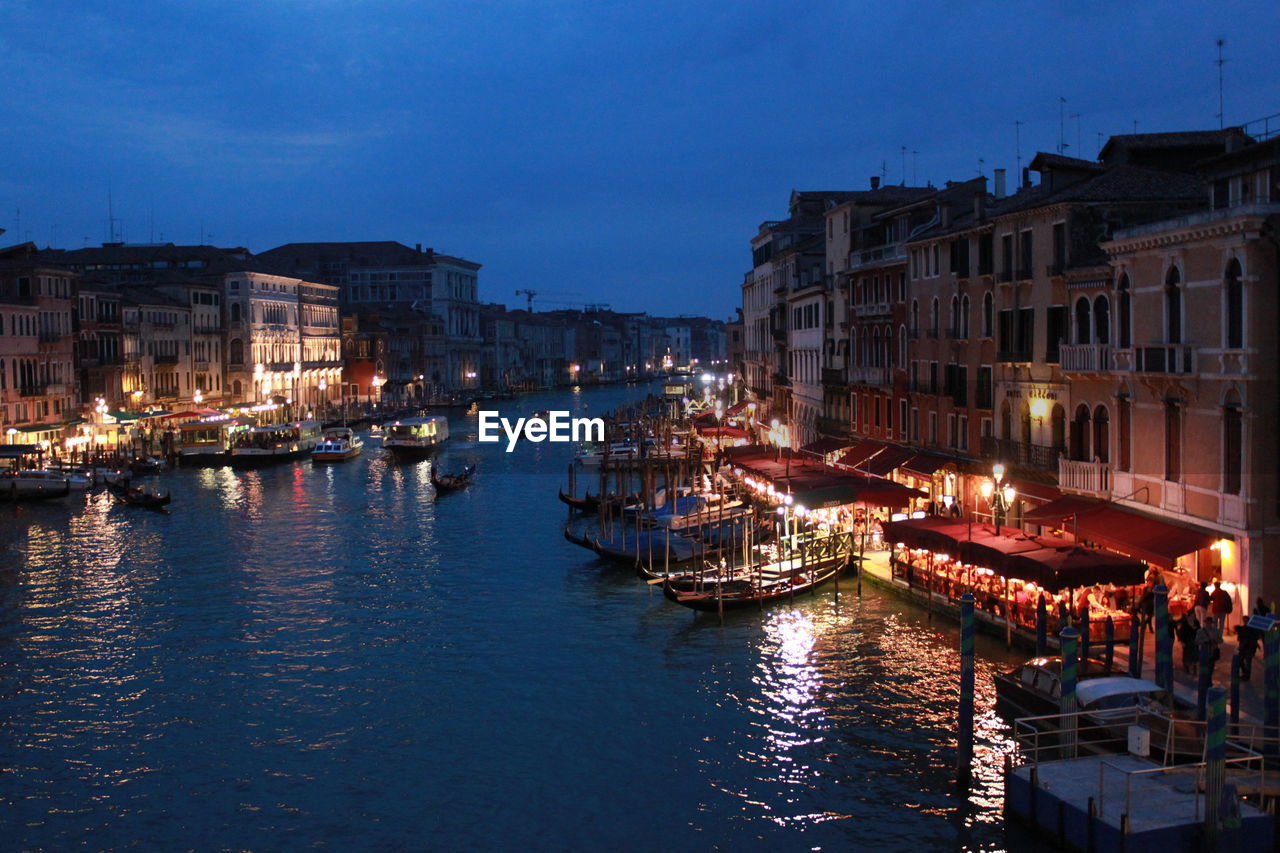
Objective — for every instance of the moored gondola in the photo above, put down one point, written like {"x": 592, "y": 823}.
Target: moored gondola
{"x": 772, "y": 583}
{"x": 138, "y": 496}
{"x": 586, "y": 503}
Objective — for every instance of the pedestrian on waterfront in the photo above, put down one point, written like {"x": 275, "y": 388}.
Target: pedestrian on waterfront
{"x": 1146, "y": 608}
{"x": 1207, "y": 635}
{"x": 1261, "y": 608}
{"x": 1247, "y": 638}
{"x": 1186, "y": 632}
{"x": 1201, "y": 603}
{"x": 1220, "y": 605}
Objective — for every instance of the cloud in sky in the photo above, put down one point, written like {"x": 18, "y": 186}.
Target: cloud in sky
{"x": 625, "y": 151}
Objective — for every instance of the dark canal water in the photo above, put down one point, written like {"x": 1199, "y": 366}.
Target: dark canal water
{"x": 326, "y": 657}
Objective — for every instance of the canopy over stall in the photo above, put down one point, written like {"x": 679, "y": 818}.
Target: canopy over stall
{"x": 1137, "y": 534}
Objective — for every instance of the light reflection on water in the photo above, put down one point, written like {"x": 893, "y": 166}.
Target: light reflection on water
{"x": 329, "y": 656}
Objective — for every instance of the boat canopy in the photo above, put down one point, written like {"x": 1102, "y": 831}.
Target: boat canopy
{"x": 1093, "y": 689}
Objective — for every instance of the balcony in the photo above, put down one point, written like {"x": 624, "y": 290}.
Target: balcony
{"x": 1013, "y": 357}
{"x": 881, "y": 376}
{"x": 33, "y": 390}
{"x": 48, "y": 337}
{"x": 200, "y": 366}
{"x": 1173, "y": 359}
{"x": 781, "y": 380}
{"x": 167, "y": 358}
{"x": 834, "y": 427}
{"x": 1084, "y": 358}
{"x": 1093, "y": 478}
{"x": 834, "y": 376}
{"x": 876, "y": 255}
{"x": 1033, "y": 456}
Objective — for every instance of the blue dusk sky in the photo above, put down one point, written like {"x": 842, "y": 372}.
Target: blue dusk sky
{"x": 602, "y": 152}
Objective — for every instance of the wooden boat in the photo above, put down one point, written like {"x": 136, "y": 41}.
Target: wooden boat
{"x": 138, "y": 496}
{"x": 338, "y": 444}
{"x": 773, "y": 582}
{"x": 586, "y": 503}
{"x": 446, "y": 483}
{"x": 664, "y": 548}
{"x": 415, "y": 438}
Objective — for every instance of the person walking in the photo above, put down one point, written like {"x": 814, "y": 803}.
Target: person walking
{"x": 1207, "y": 635}
{"x": 1201, "y": 603}
{"x": 1247, "y": 639}
{"x": 1146, "y": 608}
{"x": 1185, "y": 631}
{"x": 1220, "y": 605}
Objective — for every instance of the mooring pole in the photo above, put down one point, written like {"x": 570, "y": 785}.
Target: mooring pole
{"x": 1164, "y": 640}
{"x": 964, "y": 744}
{"x": 1271, "y": 710}
{"x": 1042, "y": 628}
{"x": 1215, "y": 754}
{"x": 1069, "y": 639}
{"x": 1109, "y": 639}
{"x": 1135, "y": 648}
{"x": 1205, "y": 679}
{"x": 1235, "y": 689}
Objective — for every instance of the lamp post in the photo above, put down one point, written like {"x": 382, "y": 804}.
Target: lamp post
{"x": 998, "y": 494}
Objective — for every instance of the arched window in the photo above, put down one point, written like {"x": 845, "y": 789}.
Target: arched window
{"x": 1024, "y": 415}
{"x": 1102, "y": 320}
{"x": 1122, "y": 445}
{"x": 1101, "y": 434}
{"x": 1233, "y": 292}
{"x": 1080, "y": 434}
{"x": 964, "y": 317}
{"x": 235, "y": 388}
{"x": 235, "y": 352}
{"x": 933, "y": 318}
{"x": 1084, "y": 320}
{"x": 988, "y": 314}
{"x": 235, "y": 312}
{"x": 1173, "y": 307}
{"x": 902, "y": 346}
{"x": 875, "y": 348}
{"x": 955, "y": 317}
{"x": 1125, "y": 331}
{"x": 888, "y": 346}
{"x": 1058, "y": 428}
{"x": 1172, "y": 441}
{"x": 915, "y": 316}
{"x": 1232, "y": 444}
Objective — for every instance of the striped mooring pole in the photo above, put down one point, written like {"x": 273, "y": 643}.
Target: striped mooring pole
{"x": 1135, "y": 648}
{"x": 1234, "y": 704}
{"x": 1069, "y": 639}
{"x": 1084, "y": 634}
{"x": 1205, "y": 679}
{"x": 1042, "y": 628}
{"x": 1164, "y": 640}
{"x": 1271, "y": 711}
{"x": 964, "y": 744}
{"x": 1215, "y": 756}
{"x": 1109, "y": 643}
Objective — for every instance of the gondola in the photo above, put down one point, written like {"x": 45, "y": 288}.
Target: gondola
{"x": 137, "y": 496}
{"x": 586, "y": 503}
{"x": 446, "y": 483}
{"x": 777, "y": 581}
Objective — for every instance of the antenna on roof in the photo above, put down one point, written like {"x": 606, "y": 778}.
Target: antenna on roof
{"x": 981, "y": 162}
{"x": 884, "y": 171}
{"x": 17, "y": 222}
{"x": 913, "y": 166}
{"x": 1221, "y": 62}
{"x": 1017, "y": 144}
{"x": 1100, "y": 135}
{"x": 904, "y": 165}
{"x": 1135, "y": 125}
{"x": 111, "y": 216}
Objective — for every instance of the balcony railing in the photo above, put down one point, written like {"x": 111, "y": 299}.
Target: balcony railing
{"x": 33, "y": 390}
{"x": 872, "y": 309}
{"x": 1033, "y": 456}
{"x": 833, "y": 376}
{"x": 166, "y": 359}
{"x": 871, "y": 375}
{"x": 1175, "y": 359}
{"x": 877, "y": 255}
{"x": 1084, "y": 358}
{"x": 1091, "y": 477}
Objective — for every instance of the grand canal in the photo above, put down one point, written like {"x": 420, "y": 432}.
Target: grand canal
{"x": 327, "y": 657}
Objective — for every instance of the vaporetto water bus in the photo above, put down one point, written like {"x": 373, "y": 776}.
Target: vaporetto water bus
{"x": 264, "y": 445}
{"x": 415, "y": 438}
{"x": 209, "y": 442}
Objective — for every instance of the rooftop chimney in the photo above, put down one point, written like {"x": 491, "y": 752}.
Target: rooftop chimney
{"x": 980, "y": 205}
{"x": 875, "y": 182}
{"x": 1026, "y": 176}
{"x": 418, "y": 246}
{"x": 999, "y": 183}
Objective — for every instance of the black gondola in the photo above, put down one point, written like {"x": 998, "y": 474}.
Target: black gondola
{"x": 586, "y": 503}
{"x": 446, "y": 483}
{"x": 784, "y": 583}
{"x": 138, "y": 496}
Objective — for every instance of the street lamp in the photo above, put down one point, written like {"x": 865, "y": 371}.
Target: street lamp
{"x": 197, "y": 397}
{"x": 998, "y": 494}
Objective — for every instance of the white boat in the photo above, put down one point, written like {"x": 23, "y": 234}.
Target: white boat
{"x": 338, "y": 445}
{"x": 593, "y": 455}
{"x": 33, "y": 484}
{"x": 415, "y": 438}
{"x": 709, "y": 509}
{"x": 208, "y": 442}
{"x": 278, "y": 443}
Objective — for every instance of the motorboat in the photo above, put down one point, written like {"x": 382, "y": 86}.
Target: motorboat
{"x": 208, "y": 442}
{"x": 1034, "y": 689}
{"x": 338, "y": 444}
{"x": 592, "y": 456}
{"x": 37, "y": 484}
{"x": 277, "y": 443}
{"x": 415, "y": 438}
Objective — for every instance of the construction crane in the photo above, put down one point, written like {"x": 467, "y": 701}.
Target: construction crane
{"x": 529, "y": 294}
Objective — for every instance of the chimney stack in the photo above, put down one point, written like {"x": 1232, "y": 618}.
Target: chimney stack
{"x": 980, "y": 205}
{"x": 418, "y": 246}
{"x": 875, "y": 182}
{"x": 1026, "y": 176}
{"x": 1000, "y": 183}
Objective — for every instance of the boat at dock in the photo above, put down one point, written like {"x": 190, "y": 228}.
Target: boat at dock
{"x": 140, "y": 497}
{"x": 34, "y": 484}
{"x": 699, "y": 510}
{"x": 264, "y": 445}
{"x": 771, "y": 582}
{"x": 208, "y": 442}
{"x": 586, "y": 503}
{"x": 415, "y": 438}
{"x": 338, "y": 444}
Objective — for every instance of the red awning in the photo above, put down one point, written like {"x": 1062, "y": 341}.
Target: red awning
{"x": 722, "y": 432}
{"x": 860, "y": 453}
{"x": 883, "y": 463}
{"x": 1137, "y": 534}
{"x": 737, "y": 408}
{"x": 924, "y": 464}
{"x": 1036, "y": 491}
{"x": 823, "y": 446}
